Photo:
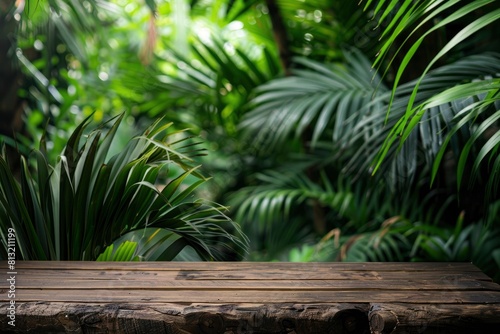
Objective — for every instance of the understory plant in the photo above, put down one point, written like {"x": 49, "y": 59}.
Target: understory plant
{"x": 74, "y": 209}
{"x": 400, "y": 239}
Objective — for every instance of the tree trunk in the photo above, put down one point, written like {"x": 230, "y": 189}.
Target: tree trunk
{"x": 281, "y": 38}
{"x": 11, "y": 105}
{"x": 280, "y": 35}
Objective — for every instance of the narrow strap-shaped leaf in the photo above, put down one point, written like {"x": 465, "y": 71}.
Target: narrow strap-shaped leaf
{"x": 39, "y": 232}
{"x": 493, "y": 142}
{"x": 466, "y": 32}
{"x": 83, "y": 175}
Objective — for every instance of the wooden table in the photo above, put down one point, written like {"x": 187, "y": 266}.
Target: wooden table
{"x": 248, "y": 297}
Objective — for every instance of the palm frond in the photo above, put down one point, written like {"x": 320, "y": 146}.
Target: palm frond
{"x": 280, "y": 191}
{"x": 87, "y": 200}
{"x": 386, "y": 243}
{"x": 412, "y": 19}
{"x": 316, "y": 98}
{"x": 446, "y": 110}
{"x": 213, "y": 82}
{"x": 478, "y": 243}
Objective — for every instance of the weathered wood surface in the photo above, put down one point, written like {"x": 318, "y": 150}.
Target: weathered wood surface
{"x": 243, "y": 297}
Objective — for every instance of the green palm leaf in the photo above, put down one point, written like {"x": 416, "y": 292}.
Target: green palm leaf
{"x": 444, "y": 110}
{"x": 483, "y": 89}
{"x": 89, "y": 200}
{"x": 327, "y": 99}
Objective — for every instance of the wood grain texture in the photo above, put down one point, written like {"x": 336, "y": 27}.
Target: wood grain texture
{"x": 243, "y": 297}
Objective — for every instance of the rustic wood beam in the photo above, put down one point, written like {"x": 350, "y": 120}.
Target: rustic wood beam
{"x": 245, "y": 297}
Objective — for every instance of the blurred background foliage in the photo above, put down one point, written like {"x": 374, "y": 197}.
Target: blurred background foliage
{"x": 336, "y": 131}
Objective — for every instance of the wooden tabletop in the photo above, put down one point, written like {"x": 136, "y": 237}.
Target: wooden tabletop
{"x": 246, "y": 297}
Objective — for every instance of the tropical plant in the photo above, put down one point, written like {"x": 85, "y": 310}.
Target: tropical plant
{"x": 74, "y": 209}
{"x": 478, "y": 243}
{"x": 474, "y": 102}
{"x": 124, "y": 252}
{"x": 45, "y": 48}
{"x": 399, "y": 239}
{"x": 340, "y": 114}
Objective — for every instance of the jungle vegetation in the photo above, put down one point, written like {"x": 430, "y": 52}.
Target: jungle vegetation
{"x": 333, "y": 130}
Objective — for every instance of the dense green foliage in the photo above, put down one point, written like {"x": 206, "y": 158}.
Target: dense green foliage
{"x": 87, "y": 200}
{"x": 334, "y": 130}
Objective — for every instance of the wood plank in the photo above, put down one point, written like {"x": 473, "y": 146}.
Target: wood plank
{"x": 33, "y": 282}
{"x": 249, "y": 275}
{"x": 211, "y": 266}
{"x": 188, "y": 319}
{"x": 256, "y": 296}
{"x": 400, "y": 318}
{"x": 198, "y": 275}
{"x": 339, "y": 275}
{"x": 250, "y": 318}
